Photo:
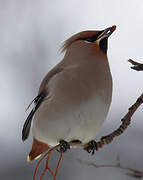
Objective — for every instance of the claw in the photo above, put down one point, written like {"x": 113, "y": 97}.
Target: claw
{"x": 64, "y": 146}
{"x": 91, "y": 147}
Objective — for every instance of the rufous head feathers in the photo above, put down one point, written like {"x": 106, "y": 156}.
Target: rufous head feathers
{"x": 90, "y": 36}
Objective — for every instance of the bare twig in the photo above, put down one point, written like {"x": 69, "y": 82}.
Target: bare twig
{"x": 125, "y": 123}
{"x": 131, "y": 172}
{"x": 48, "y": 154}
{"x": 136, "y": 66}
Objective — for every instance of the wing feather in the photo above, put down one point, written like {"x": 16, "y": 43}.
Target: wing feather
{"x": 26, "y": 127}
{"x": 37, "y": 101}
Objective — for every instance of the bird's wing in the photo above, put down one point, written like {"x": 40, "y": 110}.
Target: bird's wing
{"x": 38, "y": 100}
{"x": 26, "y": 127}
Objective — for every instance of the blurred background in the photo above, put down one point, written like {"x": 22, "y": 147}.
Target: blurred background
{"x": 31, "y": 33}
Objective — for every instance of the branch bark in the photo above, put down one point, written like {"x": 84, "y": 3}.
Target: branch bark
{"x": 136, "y": 65}
{"x": 125, "y": 122}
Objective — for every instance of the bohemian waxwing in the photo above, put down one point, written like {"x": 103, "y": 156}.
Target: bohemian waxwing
{"x": 74, "y": 97}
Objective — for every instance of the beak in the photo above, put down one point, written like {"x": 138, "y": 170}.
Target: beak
{"x": 107, "y": 32}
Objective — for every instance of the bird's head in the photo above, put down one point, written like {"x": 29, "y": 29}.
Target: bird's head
{"x": 96, "y": 41}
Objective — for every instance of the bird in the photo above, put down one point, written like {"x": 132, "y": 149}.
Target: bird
{"x": 74, "y": 97}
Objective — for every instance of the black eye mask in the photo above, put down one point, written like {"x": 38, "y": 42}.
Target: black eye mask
{"x": 92, "y": 38}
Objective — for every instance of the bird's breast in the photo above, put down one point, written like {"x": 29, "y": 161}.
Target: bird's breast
{"x": 77, "y": 104}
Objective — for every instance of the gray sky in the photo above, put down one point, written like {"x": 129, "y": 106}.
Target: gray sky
{"x": 31, "y": 33}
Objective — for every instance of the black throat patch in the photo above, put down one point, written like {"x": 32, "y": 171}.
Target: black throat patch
{"x": 103, "y": 44}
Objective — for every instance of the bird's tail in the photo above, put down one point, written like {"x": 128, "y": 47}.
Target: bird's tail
{"x": 37, "y": 149}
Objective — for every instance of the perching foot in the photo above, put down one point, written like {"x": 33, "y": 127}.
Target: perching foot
{"x": 91, "y": 147}
{"x": 64, "y": 146}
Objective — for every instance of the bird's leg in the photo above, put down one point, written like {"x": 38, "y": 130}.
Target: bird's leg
{"x": 64, "y": 146}
{"x": 91, "y": 146}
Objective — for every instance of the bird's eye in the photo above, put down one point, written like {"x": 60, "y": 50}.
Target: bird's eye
{"x": 92, "y": 38}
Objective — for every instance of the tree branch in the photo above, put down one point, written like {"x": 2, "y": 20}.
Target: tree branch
{"x": 131, "y": 172}
{"x": 136, "y": 66}
{"x": 126, "y": 120}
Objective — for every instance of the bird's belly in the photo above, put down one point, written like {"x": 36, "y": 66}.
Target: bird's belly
{"x": 79, "y": 123}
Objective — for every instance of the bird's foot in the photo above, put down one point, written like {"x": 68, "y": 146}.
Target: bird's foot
{"x": 91, "y": 147}
{"x": 64, "y": 146}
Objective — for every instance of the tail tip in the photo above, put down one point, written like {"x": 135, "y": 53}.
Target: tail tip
{"x": 29, "y": 159}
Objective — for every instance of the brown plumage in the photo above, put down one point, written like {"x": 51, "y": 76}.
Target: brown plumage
{"x": 75, "y": 96}
{"x": 37, "y": 149}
